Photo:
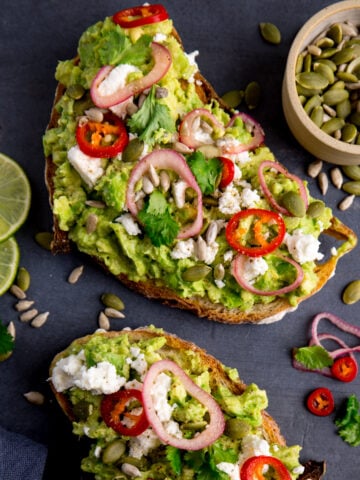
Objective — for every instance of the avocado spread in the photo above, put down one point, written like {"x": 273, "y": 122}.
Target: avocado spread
{"x": 80, "y": 375}
{"x": 90, "y": 194}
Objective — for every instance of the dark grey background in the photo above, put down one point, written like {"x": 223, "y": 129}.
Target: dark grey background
{"x": 34, "y": 36}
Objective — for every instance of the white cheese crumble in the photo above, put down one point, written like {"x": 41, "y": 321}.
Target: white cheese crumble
{"x": 137, "y": 361}
{"x": 253, "y": 268}
{"x": 159, "y": 37}
{"x": 183, "y": 249}
{"x": 129, "y": 223}
{"x": 116, "y": 79}
{"x": 303, "y": 247}
{"x": 142, "y": 444}
{"x": 249, "y": 197}
{"x": 191, "y": 58}
{"x": 99, "y": 379}
{"x": 159, "y": 394}
{"x": 89, "y": 168}
{"x": 230, "y": 201}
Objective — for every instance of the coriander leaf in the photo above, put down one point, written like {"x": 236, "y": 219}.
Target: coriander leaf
{"x": 349, "y": 424}
{"x": 206, "y": 171}
{"x": 152, "y": 116}
{"x": 6, "y": 340}
{"x": 174, "y": 457}
{"x": 314, "y": 357}
{"x": 218, "y": 453}
{"x": 137, "y": 54}
{"x": 158, "y": 223}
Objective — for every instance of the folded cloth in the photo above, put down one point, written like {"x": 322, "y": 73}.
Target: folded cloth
{"x": 20, "y": 457}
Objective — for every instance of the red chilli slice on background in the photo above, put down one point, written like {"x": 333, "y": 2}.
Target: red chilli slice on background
{"x": 216, "y": 425}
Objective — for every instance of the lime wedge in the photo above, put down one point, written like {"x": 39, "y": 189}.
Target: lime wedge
{"x": 9, "y": 263}
{"x": 15, "y": 197}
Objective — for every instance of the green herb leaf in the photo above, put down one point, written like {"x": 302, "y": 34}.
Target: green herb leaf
{"x": 314, "y": 357}
{"x": 349, "y": 424}
{"x": 151, "y": 117}
{"x": 158, "y": 223}
{"x": 174, "y": 457}
{"x": 6, "y": 340}
{"x": 206, "y": 171}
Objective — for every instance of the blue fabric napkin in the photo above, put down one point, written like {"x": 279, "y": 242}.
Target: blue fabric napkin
{"x": 20, "y": 457}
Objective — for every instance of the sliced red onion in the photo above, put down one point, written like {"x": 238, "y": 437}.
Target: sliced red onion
{"x": 188, "y": 127}
{"x": 162, "y": 62}
{"x": 257, "y": 132}
{"x": 238, "y": 266}
{"x": 166, "y": 160}
{"x": 280, "y": 168}
{"x": 206, "y": 437}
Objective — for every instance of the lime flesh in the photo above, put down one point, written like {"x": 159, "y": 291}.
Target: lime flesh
{"x": 9, "y": 263}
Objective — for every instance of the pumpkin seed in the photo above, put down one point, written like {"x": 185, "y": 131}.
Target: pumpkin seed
{"x": 75, "y": 91}
{"x": 332, "y": 125}
{"x": 328, "y": 62}
{"x": 307, "y": 63}
{"x": 344, "y": 55}
{"x": 195, "y": 273}
{"x": 112, "y": 301}
{"x": 347, "y": 77}
{"x": 328, "y": 52}
{"x": 299, "y": 63}
{"x": 252, "y": 95}
{"x": 113, "y": 451}
{"x": 352, "y": 187}
{"x": 314, "y": 50}
{"x": 317, "y": 116}
{"x": 352, "y": 171}
{"x": 349, "y": 133}
{"x": 44, "y": 239}
{"x": 325, "y": 71}
{"x": 346, "y": 202}
{"x": 308, "y": 92}
{"x": 351, "y": 293}
{"x": 23, "y": 279}
{"x": 316, "y": 209}
{"x": 312, "y": 80}
{"x": 343, "y": 109}
{"x": 335, "y": 33}
{"x": 270, "y": 32}
{"x": 325, "y": 42}
{"x": 233, "y": 98}
{"x": 313, "y": 102}
{"x": 294, "y": 204}
{"x": 133, "y": 150}
{"x": 335, "y": 96}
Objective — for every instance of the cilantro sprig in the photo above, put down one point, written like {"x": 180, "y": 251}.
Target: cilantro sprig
{"x": 158, "y": 223}
{"x": 6, "y": 342}
{"x": 314, "y": 357}
{"x": 349, "y": 424}
{"x": 206, "y": 171}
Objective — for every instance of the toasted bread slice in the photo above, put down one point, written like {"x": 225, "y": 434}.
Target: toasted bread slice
{"x": 213, "y": 307}
{"x": 171, "y": 348}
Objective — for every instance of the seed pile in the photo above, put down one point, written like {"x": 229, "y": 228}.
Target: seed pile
{"x": 328, "y": 81}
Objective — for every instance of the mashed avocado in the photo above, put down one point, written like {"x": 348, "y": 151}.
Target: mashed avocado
{"x": 149, "y": 249}
{"x": 80, "y": 375}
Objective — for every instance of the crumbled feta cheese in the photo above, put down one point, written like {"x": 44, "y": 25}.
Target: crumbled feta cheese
{"x": 253, "y": 446}
{"x": 253, "y": 268}
{"x": 210, "y": 251}
{"x": 138, "y": 362}
{"x": 219, "y": 283}
{"x": 231, "y": 469}
{"x": 249, "y": 197}
{"x": 116, "y": 79}
{"x": 228, "y": 256}
{"x": 129, "y": 223}
{"x": 72, "y": 371}
{"x": 183, "y": 249}
{"x": 230, "y": 201}
{"x": 89, "y": 168}
{"x": 159, "y": 37}
{"x": 303, "y": 247}
{"x": 141, "y": 445}
{"x": 191, "y": 57}
{"x": 298, "y": 470}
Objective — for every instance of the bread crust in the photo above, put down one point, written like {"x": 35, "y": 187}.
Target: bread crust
{"x": 219, "y": 376}
{"x": 203, "y": 307}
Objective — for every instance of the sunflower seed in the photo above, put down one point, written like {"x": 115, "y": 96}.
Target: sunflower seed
{"x": 346, "y": 202}
{"x": 219, "y": 271}
{"x": 35, "y": 398}
{"x": 201, "y": 248}
{"x": 11, "y": 330}
{"x": 17, "y": 292}
{"x": 211, "y": 233}
{"x": 40, "y": 319}
{"x": 147, "y": 185}
{"x": 95, "y": 203}
{"x": 103, "y": 321}
{"x": 323, "y": 182}
{"x": 91, "y": 223}
{"x": 75, "y": 274}
{"x": 336, "y": 177}
{"x": 113, "y": 313}
{"x": 23, "y": 305}
{"x": 28, "y": 315}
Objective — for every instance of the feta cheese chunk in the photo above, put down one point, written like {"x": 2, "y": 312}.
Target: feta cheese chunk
{"x": 303, "y": 247}
{"x": 116, "y": 79}
{"x": 129, "y": 223}
{"x": 253, "y": 268}
{"x": 89, "y": 168}
{"x": 230, "y": 201}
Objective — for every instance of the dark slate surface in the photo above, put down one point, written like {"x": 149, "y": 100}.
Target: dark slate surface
{"x": 34, "y": 36}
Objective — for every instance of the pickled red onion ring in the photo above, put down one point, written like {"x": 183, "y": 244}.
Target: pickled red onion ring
{"x": 162, "y": 62}
{"x": 166, "y": 160}
{"x": 206, "y": 437}
{"x": 280, "y": 168}
{"x": 187, "y": 130}
{"x": 238, "y": 268}
{"x": 257, "y": 135}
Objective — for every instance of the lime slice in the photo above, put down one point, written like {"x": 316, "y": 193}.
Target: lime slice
{"x": 15, "y": 197}
{"x": 9, "y": 263}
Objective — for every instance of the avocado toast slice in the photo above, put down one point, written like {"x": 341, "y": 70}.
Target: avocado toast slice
{"x": 93, "y": 375}
{"x": 162, "y": 214}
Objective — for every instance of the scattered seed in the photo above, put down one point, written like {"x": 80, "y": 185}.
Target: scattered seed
{"x": 103, "y": 321}
{"x": 336, "y": 177}
{"x": 23, "y": 305}
{"x": 252, "y": 95}
{"x": 17, "y": 292}
{"x": 91, "y": 223}
{"x": 315, "y": 209}
{"x": 11, "y": 329}
{"x": 346, "y": 202}
{"x": 35, "y": 398}
{"x": 95, "y": 203}
{"x": 351, "y": 293}
{"x": 23, "y": 279}
{"x": 40, "y": 319}
{"x": 75, "y": 274}
{"x": 352, "y": 187}
{"x": 28, "y": 315}
{"x": 219, "y": 271}
{"x": 44, "y": 240}
{"x": 113, "y": 313}
{"x": 195, "y": 273}
{"x": 323, "y": 182}
{"x": 315, "y": 168}
{"x": 270, "y": 33}
{"x": 352, "y": 171}
{"x": 112, "y": 301}
{"x": 233, "y": 98}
